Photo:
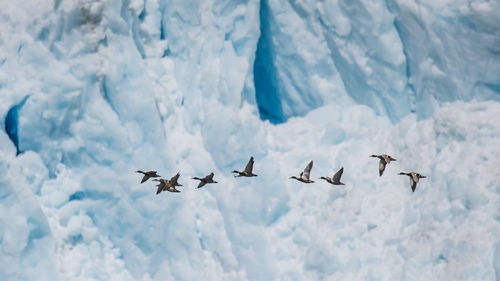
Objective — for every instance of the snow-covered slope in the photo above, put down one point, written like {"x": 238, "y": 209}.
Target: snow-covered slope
{"x": 92, "y": 90}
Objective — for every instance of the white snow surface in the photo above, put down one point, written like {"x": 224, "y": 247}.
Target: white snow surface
{"x": 115, "y": 86}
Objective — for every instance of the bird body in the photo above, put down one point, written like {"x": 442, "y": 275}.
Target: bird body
{"x": 304, "y": 176}
{"x": 414, "y": 178}
{"x": 147, "y": 175}
{"x": 248, "y": 170}
{"x": 205, "y": 180}
{"x": 384, "y": 160}
{"x": 165, "y": 185}
{"x": 335, "y": 180}
{"x": 161, "y": 185}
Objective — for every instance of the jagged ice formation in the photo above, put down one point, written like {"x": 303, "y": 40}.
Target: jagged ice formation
{"x": 92, "y": 90}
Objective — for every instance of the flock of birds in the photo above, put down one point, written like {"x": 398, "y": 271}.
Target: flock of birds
{"x": 169, "y": 185}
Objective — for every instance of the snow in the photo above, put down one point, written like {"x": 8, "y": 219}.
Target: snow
{"x": 91, "y": 91}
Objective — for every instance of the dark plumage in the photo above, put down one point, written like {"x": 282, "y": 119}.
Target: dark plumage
{"x": 248, "y": 170}
{"x": 147, "y": 175}
{"x": 336, "y": 178}
{"x": 173, "y": 180}
{"x": 304, "y": 176}
{"x": 414, "y": 177}
{"x": 205, "y": 180}
{"x": 165, "y": 185}
{"x": 384, "y": 160}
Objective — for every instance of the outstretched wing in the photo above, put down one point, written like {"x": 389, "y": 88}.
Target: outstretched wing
{"x": 175, "y": 178}
{"x": 249, "y": 166}
{"x": 210, "y": 177}
{"x": 338, "y": 175}
{"x": 145, "y": 178}
{"x": 160, "y": 188}
{"x": 307, "y": 170}
{"x": 201, "y": 184}
{"x": 381, "y": 167}
{"x": 413, "y": 184}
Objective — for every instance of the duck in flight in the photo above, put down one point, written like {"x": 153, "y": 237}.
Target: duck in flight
{"x": 165, "y": 185}
{"x": 336, "y": 178}
{"x": 205, "y": 180}
{"x": 384, "y": 160}
{"x": 414, "y": 177}
{"x": 304, "y": 176}
{"x": 248, "y": 170}
{"x": 147, "y": 175}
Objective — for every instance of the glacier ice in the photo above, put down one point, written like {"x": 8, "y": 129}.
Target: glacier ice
{"x": 108, "y": 87}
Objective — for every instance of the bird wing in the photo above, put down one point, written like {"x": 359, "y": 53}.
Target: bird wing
{"x": 413, "y": 184}
{"x": 338, "y": 174}
{"x": 145, "y": 178}
{"x": 381, "y": 167}
{"x": 210, "y": 177}
{"x": 307, "y": 170}
{"x": 249, "y": 166}
{"x": 175, "y": 178}
{"x": 201, "y": 184}
{"x": 160, "y": 188}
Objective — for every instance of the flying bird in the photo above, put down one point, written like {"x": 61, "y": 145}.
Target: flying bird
{"x": 414, "y": 177}
{"x": 336, "y": 178}
{"x": 205, "y": 180}
{"x": 165, "y": 185}
{"x": 248, "y": 170}
{"x": 384, "y": 160}
{"x": 147, "y": 175}
{"x": 304, "y": 176}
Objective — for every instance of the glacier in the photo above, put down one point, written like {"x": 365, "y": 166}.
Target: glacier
{"x": 92, "y": 90}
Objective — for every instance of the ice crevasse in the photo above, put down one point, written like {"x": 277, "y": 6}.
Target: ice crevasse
{"x": 91, "y": 91}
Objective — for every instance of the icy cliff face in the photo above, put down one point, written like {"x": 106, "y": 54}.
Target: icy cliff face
{"x": 91, "y": 91}
{"x": 394, "y": 56}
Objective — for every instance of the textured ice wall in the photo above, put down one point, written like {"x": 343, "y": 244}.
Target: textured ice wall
{"x": 394, "y": 56}
{"x": 169, "y": 85}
